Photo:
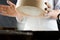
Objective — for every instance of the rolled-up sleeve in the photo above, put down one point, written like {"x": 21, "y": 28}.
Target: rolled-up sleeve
{"x": 18, "y": 3}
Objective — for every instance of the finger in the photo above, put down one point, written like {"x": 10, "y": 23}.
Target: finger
{"x": 3, "y": 8}
{"x": 10, "y": 3}
{"x": 48, "y": 10}
{"x": 4, "y": 13}
{"x": 48, "y": 5}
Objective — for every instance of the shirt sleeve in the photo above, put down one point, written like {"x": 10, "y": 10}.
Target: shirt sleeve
{"x": 18, "y": 3}
{"x": 57, "y": 5}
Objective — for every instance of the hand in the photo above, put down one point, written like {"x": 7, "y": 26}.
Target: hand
{"x": 54, "y": 13}
{"x": 47, "y": 4}
{"x": 8, "y": 10}
{"x": 46, "y": 11}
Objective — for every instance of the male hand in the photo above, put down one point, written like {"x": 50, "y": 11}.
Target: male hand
{"x": 46, "y": 11}
{"x": 8, "y": 10}
{"x": 52, "y": 13}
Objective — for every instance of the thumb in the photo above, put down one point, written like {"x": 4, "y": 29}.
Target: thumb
{"x": 10, "y": 3}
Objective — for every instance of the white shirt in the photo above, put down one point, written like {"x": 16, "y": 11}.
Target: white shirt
{"x": 37, "y": 24}
{"x": 58, "y": 5}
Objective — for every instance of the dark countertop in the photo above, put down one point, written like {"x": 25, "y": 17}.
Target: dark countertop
{"x": 24, "y": 35}
{"x": 15, "y": 32}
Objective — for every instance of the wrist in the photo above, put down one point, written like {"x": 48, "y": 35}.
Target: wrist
{"x": 55, "y": 14}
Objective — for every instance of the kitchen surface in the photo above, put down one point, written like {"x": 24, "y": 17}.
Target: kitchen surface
{"x": 22, "y": 35}
{"x": 34, "y": 25}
